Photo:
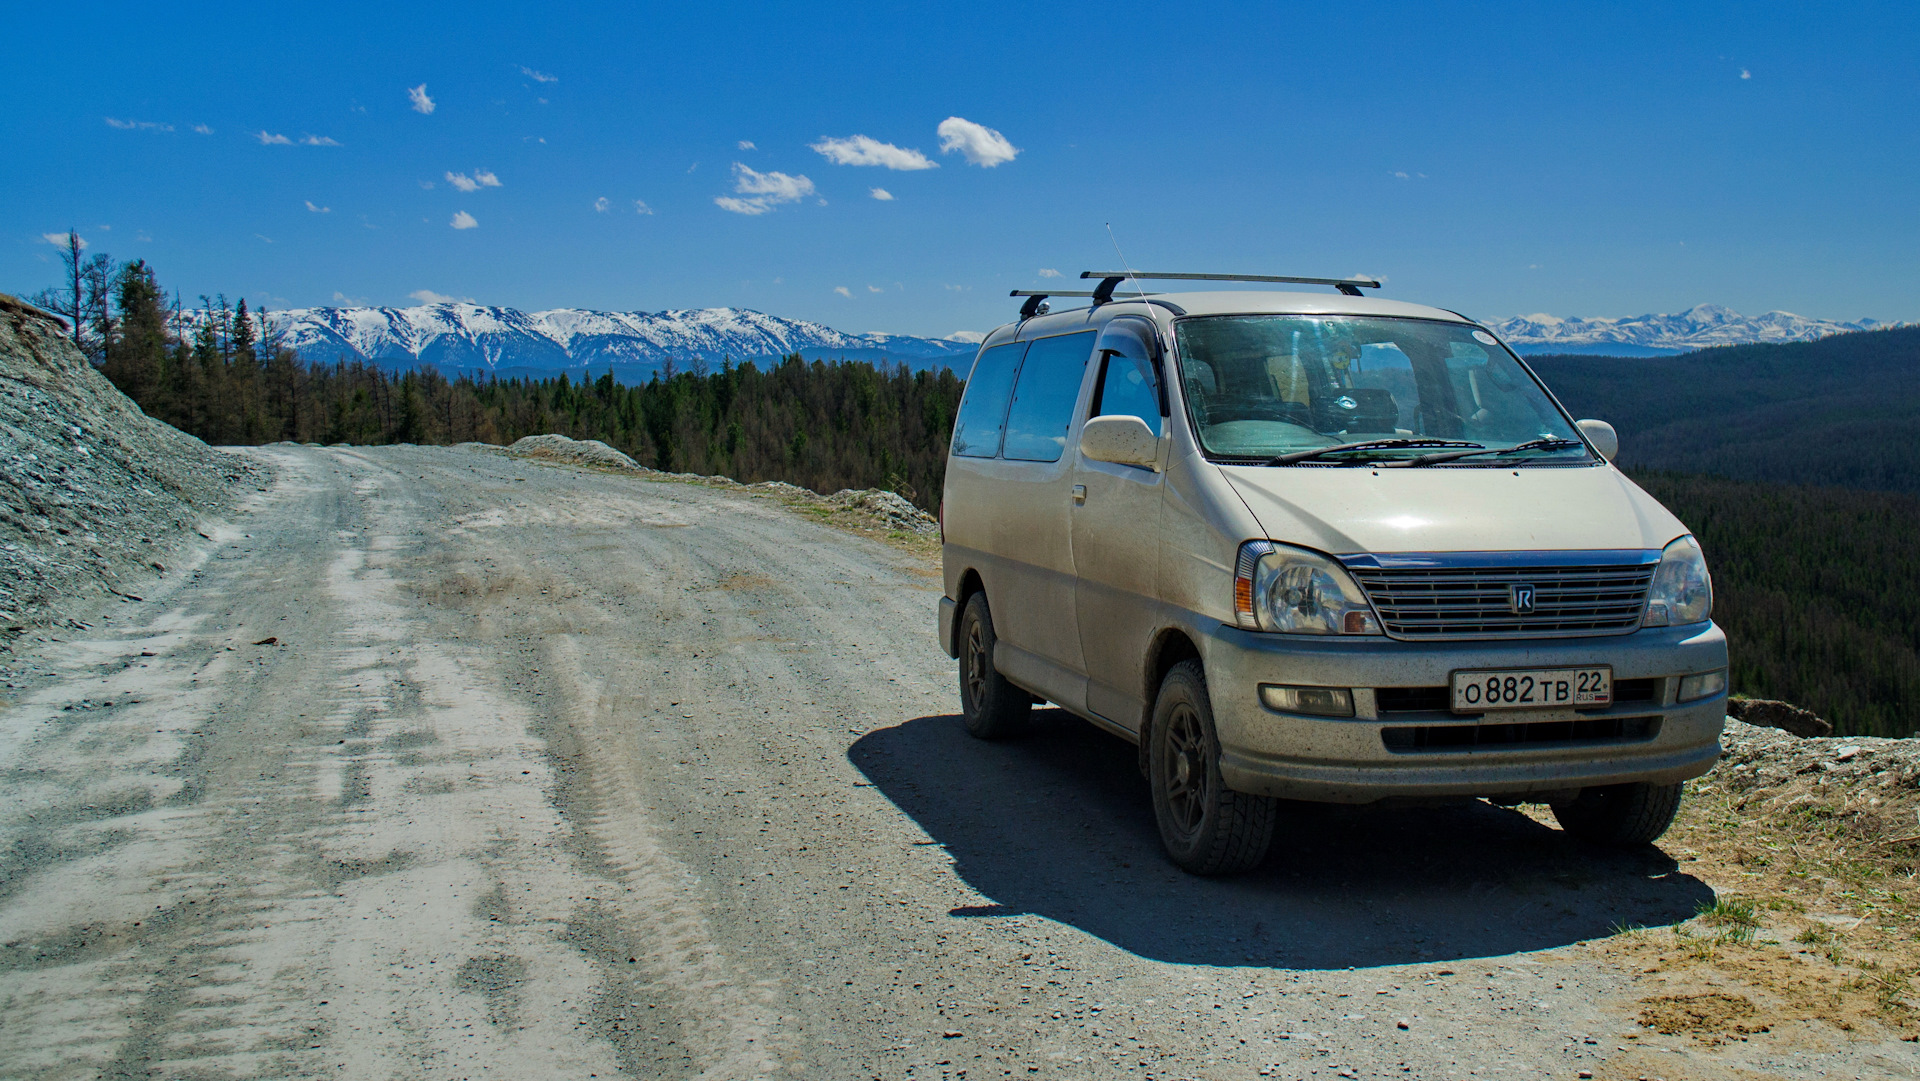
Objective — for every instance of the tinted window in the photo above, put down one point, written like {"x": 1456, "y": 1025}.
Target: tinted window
{"x": 1044, "y": 399}
{"x": 976, "y": 434}
{"x": 1124, "y": 392}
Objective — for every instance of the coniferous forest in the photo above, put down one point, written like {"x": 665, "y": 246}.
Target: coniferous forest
{"x": 1818, "y": 587}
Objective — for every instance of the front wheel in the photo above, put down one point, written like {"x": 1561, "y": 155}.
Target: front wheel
{"x": 1620, "y": 815}
{"x": 1207, "y": 828}
{"x": 992, "y": 707}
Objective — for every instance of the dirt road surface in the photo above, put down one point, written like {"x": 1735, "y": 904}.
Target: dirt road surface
{"x": 440, "y": 764}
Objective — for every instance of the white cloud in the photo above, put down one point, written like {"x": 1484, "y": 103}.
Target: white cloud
{"x": 59, "y": 240}
{"x": 883, "y": 195}
{"x": 843, "y": 291}
{"x": 463, "y": 220}
{"x": 351, "y": 302}
{"x": 426, "y": 185}
{"x": 485, "y": 178}
{"x": 270, "y": 139}
{"x": 600, "y": 205}
{"x": 1400, "y": 174}
{"x": 640, "y": 207}
{"x": 875, "y": 289}
{"x": 982, "y": 145}
{"x": 418, "y": 96}
{"x": 318, "y": 209}
{"x": 202, "y": 129}
{"x": 958, "y": 288}
{"x": 747, "y": 144}
{"x": 428, "y": 296}
{"x": 264, "y": 237}
{"x": 1049, "y": 272}
{"x": 764, "y": 191}
{"x": 137, "y": 125}
{"x": 462, "y": 181}
{"x": 318, "y": 140}
{"x": 860, "y": 150}
{"x": 536, "y": 76}
{"x": 969, "y": 337}
{"x": 1745, "y": 74}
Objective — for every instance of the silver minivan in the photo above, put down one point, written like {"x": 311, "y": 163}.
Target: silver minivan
{"x": 1319, "y": 547}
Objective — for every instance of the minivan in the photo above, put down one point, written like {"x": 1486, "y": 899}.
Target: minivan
{"x": 1319, "y": 547}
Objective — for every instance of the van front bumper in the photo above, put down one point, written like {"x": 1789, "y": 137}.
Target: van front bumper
{"x": 1378, "y": 754}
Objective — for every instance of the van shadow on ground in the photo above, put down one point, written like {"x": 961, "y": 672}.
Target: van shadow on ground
{"x": 1058, "y": 824}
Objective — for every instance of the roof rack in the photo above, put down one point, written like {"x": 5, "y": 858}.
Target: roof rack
{"x": 1035, "y": 296}
{"x": 1110, "y": 278}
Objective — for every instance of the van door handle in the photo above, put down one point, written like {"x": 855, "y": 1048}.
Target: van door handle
{"x": 1079, "y": 495}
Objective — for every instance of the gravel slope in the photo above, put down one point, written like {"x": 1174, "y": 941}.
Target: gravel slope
{"x": 443, "y": 763}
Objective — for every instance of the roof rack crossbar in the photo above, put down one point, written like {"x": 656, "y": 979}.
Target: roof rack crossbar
{"x": 1035, "y": 296}
{"x": 1349, "y": 286}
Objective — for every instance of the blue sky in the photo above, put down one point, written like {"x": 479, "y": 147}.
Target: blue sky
{"x": 1496, "y": 159}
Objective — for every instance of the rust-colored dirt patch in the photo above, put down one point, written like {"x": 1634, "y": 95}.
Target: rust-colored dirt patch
{"x": 1713, "y": 1015}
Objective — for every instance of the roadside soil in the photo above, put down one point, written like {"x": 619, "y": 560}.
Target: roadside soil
{"x": 436, "y": 763}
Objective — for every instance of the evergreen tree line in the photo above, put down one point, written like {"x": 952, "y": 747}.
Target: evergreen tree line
{"x": 824, "y": 426}
{"x": 1818, "y": 590}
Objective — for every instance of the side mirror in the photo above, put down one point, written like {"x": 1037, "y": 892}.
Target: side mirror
{"x": 1602, "y": 436}
{"x": 1120, "y": 440}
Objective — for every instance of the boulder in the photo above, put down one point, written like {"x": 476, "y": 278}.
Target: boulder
{"x": 1785, "y": 716}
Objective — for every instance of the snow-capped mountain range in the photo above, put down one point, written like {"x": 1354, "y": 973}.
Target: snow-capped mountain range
{"x": 480, "y": 339}
{"x": 1698, "y": 327}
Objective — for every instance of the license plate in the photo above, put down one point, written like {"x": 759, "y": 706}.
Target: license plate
{"x": 1532, "y": 688}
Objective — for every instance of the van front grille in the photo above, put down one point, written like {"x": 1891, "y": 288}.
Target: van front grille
{"x": 1480, "y": 737}
{"x": 1479, "y": 602}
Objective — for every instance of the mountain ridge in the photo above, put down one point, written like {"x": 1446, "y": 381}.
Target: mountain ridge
{"x": 1702, "y": 326}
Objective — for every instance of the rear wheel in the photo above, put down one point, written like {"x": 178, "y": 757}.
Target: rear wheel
{"x": 1620, "y": 815}
{"x": 993, "y": 708}
{"x": 1207, "y": 828}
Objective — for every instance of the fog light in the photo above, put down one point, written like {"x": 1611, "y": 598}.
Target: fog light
{"x": 1704, "y": 685}
{"x": 1320, "y": 701}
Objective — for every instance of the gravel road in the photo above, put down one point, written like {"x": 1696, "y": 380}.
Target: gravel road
{"x": 443, "y": 764}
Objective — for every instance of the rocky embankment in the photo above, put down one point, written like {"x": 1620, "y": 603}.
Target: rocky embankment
{"x": 97, "y": 493}
{"x": 888, "y": 510}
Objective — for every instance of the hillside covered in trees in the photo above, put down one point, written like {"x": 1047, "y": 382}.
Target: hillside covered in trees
{"x": 1839, "y": 411}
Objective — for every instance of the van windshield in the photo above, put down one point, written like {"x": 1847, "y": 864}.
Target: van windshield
{"x": 1258, "y": 386}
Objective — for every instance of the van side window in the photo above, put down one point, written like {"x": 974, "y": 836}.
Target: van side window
{"x": 976, "y": 433}
{"x": 1043, "y": 400}
{"x": 1125, "y": 392}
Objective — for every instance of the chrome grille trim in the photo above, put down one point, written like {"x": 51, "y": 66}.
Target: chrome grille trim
{"x": 1462, "y": 596}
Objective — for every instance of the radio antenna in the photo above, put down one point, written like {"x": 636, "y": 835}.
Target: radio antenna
{"x": 1124, "y": 265}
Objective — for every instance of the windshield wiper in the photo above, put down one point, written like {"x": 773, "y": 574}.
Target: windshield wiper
{"x": 1368, "y": 444}
{"x": 1548, "y": 443}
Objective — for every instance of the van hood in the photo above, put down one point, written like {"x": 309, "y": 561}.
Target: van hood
{"x": 1347, "y": 510}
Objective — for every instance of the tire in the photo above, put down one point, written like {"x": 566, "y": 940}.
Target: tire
{"x": 1621, "y": 815}
{"x": 993, "y": 708}
{"x": 1206, "y": 827}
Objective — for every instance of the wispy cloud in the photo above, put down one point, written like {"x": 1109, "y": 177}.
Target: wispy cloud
{"x": 1049, "y": 272}
{"x": 764, "y": 191}
{"x": 426, "y": 185}
{"x": 351, "y": 302}
{"x": 1745, "y": 74}
{"x": 318, "y": 209}
{"x": 860, "y": 150}
{"x": 538, "y": 76}
{"x": 981, "y": 145}
{"x": 318, "y": 140}
{"x": 137, "y": 125}
{"x": 59, "y": 240}
{"x": 267, "y": 138}
{"x": 418, "y": 96}
{"x": 263, "y": 238}
{"x": 843, "y": 291}
{"x": 428, "y": 296}
{"x": 875, "y": 289}
{"x": 463, "y": 220}
{"x": 601, "y": 204}
{"x": 640, "y": 207}
{"x": 883, "y": 195}
{"x": 747, "y": 144}
{"x": 202, "y": 129}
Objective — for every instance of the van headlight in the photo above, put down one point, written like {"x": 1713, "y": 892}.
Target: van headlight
{"x": 1294, "y": 591}
{"x": 1682, "y": 591}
